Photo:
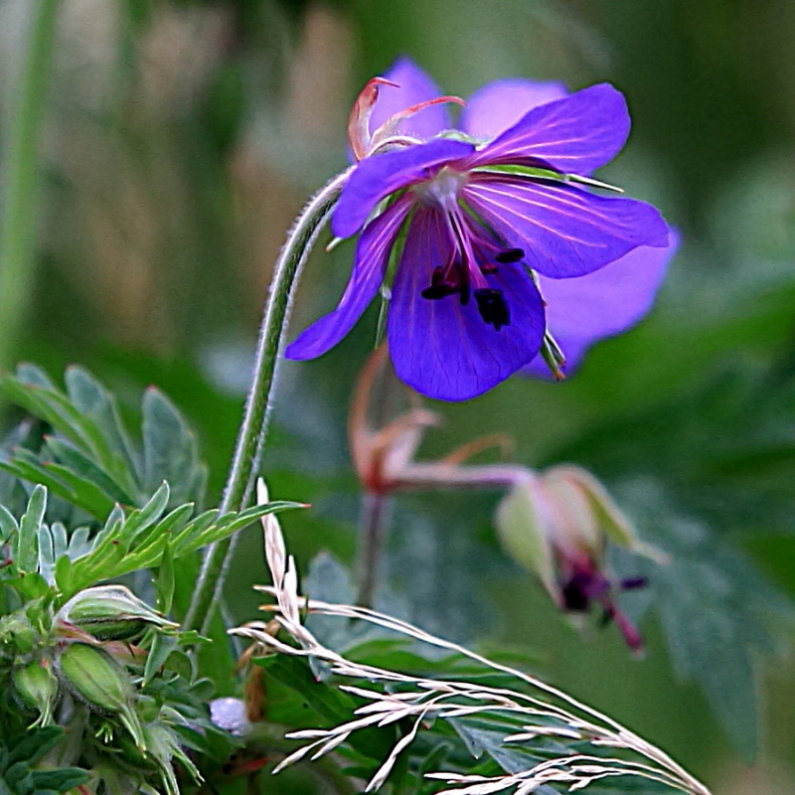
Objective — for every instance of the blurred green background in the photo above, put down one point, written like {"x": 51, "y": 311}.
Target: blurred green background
{"x": 178, "y": 140}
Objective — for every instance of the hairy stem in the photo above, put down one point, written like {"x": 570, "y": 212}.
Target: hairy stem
{"x": 20, "y": 183}
{"x": 253, "y": 430}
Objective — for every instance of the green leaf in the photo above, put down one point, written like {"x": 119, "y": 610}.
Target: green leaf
{"x": 165, "y": 582}
{"x": 208, "y": 527}
{"x": 94, "y": 401}
{"x": 47, "y": 556}
{"x": 719, "y": 616}
{"x": 25, "y": 550}
{"x": 481, "y": 739}
{"x": 8, "y": 525}
{"x": 55, "y": 408}
{"x": 94, "y": 463}
{"x": 33, "y": 375}
{"x": 61, "y": 780}
{"x": 61, "y": 481}
{"x": 162, "y": 646}
{"x": 72, "y": 457}
{"x": 34, "y": 744}
{"x": 331, "y": 704}
{"x": 170, "y": 449}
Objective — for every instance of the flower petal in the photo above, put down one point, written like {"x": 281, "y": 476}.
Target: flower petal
{"x": 576, "y": 135}
{"x": 498, "y": 105}
{"x": 582, "y": 311}
{"x": 372, "y": 254}
{"x": 376, "y": 177}
{"x": 563, "y": 230}
{"x": 414, "y": 85}
{"x": 443, "y": 349}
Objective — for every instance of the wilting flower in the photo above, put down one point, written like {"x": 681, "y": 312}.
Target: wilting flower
{"x": 384, "y": 457}
{"x": 484, "y": 226}
{"x": 557, "y": 525}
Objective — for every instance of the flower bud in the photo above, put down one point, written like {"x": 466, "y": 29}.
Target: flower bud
{"x": 38, "y": 687}
{"x": 557, "y": 525}
{"x": 17, "y": 636}
{"x": 95, "y": 678}
{"x": 111, "y": 612}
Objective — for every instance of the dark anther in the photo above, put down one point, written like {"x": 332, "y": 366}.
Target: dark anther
{"x": 493, "y": 307}
{"x": 574, "y": 596}
{"x": 634, "y": 582}
{"x": 436, "y": 291}
{"x": 439, "y": 287}
{"x": 510, "y": 255}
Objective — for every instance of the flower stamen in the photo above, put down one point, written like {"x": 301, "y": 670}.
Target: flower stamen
{"x": 493, "y": 307}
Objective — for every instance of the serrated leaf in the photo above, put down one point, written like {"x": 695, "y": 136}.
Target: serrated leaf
{"x": 718, "y": 614}
{"x": 94, "y": 401}
{"x": 70, "y": 456}
{"x": 209, "y": 527}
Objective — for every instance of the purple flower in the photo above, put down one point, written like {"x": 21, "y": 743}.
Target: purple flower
{"x": 489, "y": 228}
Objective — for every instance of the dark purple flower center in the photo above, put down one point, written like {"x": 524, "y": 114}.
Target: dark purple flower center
{"x": 586, "y": 586}
{"x": 474, "y": 253}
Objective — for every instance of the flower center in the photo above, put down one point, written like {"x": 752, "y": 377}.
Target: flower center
{"x": 442, "y": 190}
{"x": 474, "y": 254}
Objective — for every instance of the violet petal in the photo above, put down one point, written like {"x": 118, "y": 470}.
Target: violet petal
{"x": 565, "y": 231}
{"x": 575, "y": 135}
{"x": 443, "y": 349}
{"x": 584, "y": 310}
{"x": 377, "y": 176}
{"x": 372, "y": 254}
{"x": 498, "y": 105}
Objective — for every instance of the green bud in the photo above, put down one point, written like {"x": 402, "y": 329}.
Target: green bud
{"x": 521, "y": 525}
{"x": 111, "y": 612}
{"x": 96, "y": 678}
{"x": 38, "y": 688}
{"x": 17, "y": 636}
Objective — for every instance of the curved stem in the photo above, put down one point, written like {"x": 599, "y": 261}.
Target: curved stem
{"x": 372, "y": 534}
{"x": 253, "y": 430}
{"x": 17, "y": 233}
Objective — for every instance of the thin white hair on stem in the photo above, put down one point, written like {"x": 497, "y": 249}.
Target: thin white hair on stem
{"x": 526, "y": 715}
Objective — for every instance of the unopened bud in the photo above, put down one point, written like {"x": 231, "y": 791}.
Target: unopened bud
{"x": 588, "y": 514}
{"x": 17, "y": 636}
{"x": 37, "y": 687}
{"x": 521, "y": 524}
{"x": 557, "y": 525}
{"x": 111, "y": 612}
{"x": 94, "y": 677}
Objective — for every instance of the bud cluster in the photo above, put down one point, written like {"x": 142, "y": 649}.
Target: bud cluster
{"x": 83, "y": 667}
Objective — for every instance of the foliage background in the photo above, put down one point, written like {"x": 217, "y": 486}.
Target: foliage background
{"x": 181, "y": 138}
